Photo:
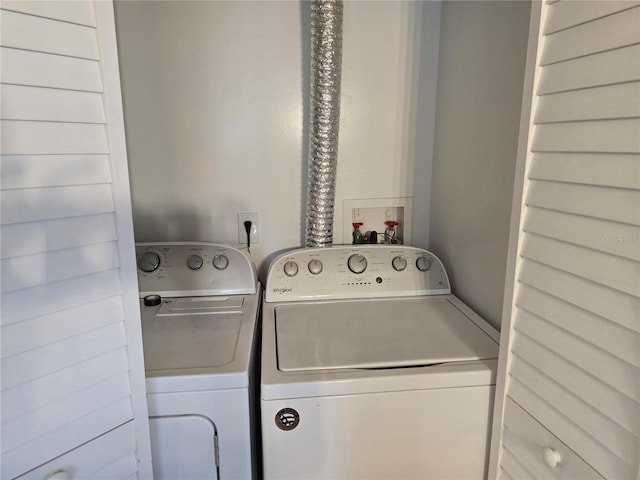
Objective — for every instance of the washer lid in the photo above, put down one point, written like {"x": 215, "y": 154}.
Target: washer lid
{"x": 377, "y": 334}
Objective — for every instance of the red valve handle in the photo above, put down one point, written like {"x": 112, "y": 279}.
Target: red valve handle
{"x": 391, "y": 223}
{"x": 357, "y": 224}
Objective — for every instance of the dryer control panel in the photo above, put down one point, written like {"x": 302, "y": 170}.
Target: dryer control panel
{"x": 192, "y": 269}
{"x": 355, "y": 271}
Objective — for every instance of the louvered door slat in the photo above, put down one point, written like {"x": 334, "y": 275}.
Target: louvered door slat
{"x": 36, "y": 204}
{"x": 609, "y": 402}
{"x": 609, "y": 102}
{"x": 614, "y": 272}
{"x": 601, "y": 365}
{"x": 65, "y": 10}
{"x": 611, "y": 304}
{"x": 578, "y": 230}
{"x": 33, "y": 171}
{"x": 608, "y": 170}
{"x": 54, "y": 266}
{"x": 593, "y": 201}
{"x": 125, "y": 467}
{"x": 33, "y": 33}
{"x": 50, "y": 104}
{"x": 28, "y": 366}
{"x": 22, "y": 67}
{"x": 21, "y": 137}
{"x": 40, "y": 331}
{"x": 611, "y": 136}
{"x": 69, "y": 409}
{"x": 563, "y": 15}
{"x": 620, "y": 29}
{"x": 606, "y": 335}
{"x": 41, "y": 391}
{"x": 606, "y": 68}
{"x": 37, "y": 237}
{"x": 33, "y": 302}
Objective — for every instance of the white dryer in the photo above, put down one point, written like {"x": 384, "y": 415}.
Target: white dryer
{"x": 199, "y": 304}
{"x": 372, "y": 369}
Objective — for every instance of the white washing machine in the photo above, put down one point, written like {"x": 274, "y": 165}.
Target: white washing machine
{"x": 372, "y": 369}
{"x": 199, "y": 304}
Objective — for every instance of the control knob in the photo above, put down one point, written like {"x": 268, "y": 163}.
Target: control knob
{"x": 399, "y": 263}
{"x": 315, "y": 266}
{"x": 149, "y": 262}
{"x": 290, "y": 269}
{"x": 220, "y": 262}
{"x": 357, "y": 263}
{"x": 194, "y": 262}
{"x": 423, "y": 263}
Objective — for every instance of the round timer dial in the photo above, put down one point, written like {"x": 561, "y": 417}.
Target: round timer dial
{"x": 149, "y": 262}
{"x": 357, "y": 263}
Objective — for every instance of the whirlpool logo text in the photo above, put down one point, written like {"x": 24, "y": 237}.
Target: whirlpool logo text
{"x": 282, "y": 290}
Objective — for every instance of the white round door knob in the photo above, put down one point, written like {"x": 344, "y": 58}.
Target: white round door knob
{"x": 551, "y": 457}
{"x": 58, "y": 475}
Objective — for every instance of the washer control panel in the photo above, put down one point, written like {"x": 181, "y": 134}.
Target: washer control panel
{"x": 355, "y": 271}
{"x": 193, "y": 269}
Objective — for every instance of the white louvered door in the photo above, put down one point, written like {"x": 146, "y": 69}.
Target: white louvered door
{"x": 72, "y": 370}
{"x": 568, "y": 394}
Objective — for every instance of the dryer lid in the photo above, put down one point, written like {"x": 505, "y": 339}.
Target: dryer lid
{"x": 377, "y": 334}
{"x": 202, "y": 305}
{"x": 181, "y": 336}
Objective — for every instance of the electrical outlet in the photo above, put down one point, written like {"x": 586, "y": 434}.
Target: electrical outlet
{"x": 255, "y": 230}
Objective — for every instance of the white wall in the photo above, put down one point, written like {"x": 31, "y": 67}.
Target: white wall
{"x": 216, "y": 106}
{"x": 481, "y": 74}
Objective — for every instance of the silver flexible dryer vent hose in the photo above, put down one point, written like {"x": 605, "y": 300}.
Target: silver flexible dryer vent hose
{"x": 326, "y": 65}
